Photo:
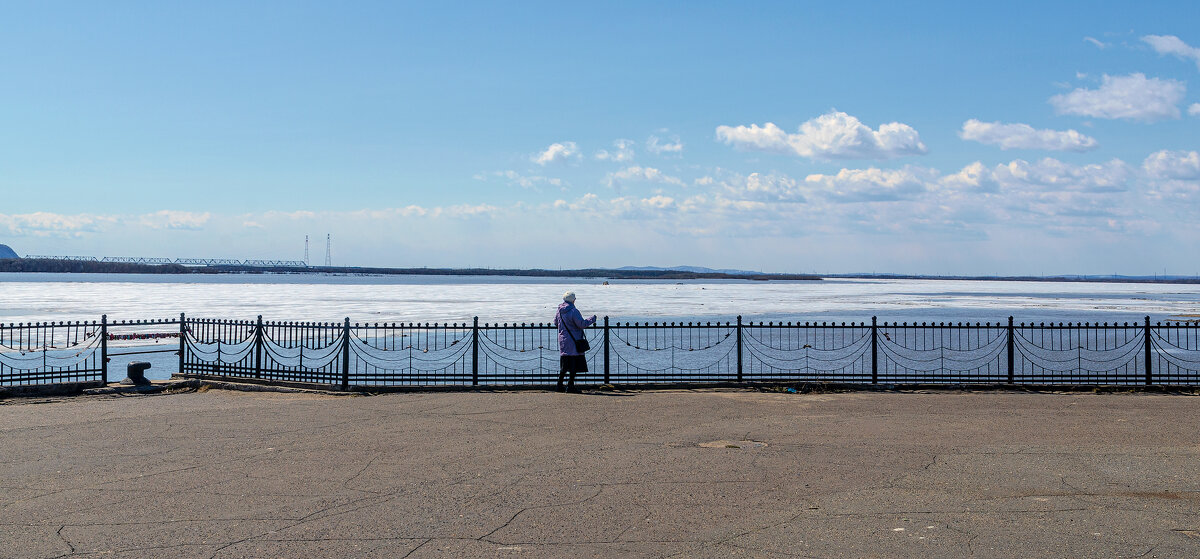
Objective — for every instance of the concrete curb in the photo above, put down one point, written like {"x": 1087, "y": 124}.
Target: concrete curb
{"x": 40, "y": 390}
{"x": 180, "y": 383}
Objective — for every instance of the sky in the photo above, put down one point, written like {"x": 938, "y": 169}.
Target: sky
{"x": 931, "y": 138}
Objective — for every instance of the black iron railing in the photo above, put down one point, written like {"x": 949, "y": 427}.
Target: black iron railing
{"x": 473, "y": 354}
{"x": 77, "y": 351}
{"x": 344, "y": 354}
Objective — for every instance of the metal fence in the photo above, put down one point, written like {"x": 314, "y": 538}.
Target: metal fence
{"x": 473, "y": 354}
{"x": 79, "y": 351}
{"x": 344, "y": 354}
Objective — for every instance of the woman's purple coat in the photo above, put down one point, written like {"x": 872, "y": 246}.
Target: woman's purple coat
{"x": 571, "y": 318}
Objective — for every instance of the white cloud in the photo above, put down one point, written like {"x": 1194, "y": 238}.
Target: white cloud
{"x": 834, "y": 135}
{"x": 650, "y": 208}
{"x": 170, "y": 219}
{"x": 1132, "y": 97}
{"x": 758, "y": 186}
{"x": 467, "y": 210}
{"x": 301, "y": 214}
{"x": 1077, "y": 197}
{"x": 559, "y": 151}
{"x": 1099, "y": 44}
{"x": 1194, "y": 109}
{"x": 1050, "y": 174}
{"x": 974, "y": 177}
{"x": 1174, "y": 175}
{"x": 413, "y": 211}
{"x": 514, "y": 178}
{"x": 637, "y": 173}
{"x": 1173, "y": 165}
{"x": 45, "y": 224}
{"x": 1024, "y": 136}
{"x": 1170, "y": 44}
{"x": 872, "y": 185}
{"x": 623, "y": 152}
{"x": 754, "y": 137}
{"x": 695, "y": 215}
{"x": 657, "y": 146}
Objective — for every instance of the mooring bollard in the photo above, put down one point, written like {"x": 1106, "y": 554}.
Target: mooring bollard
{"x": 137, "y": 374}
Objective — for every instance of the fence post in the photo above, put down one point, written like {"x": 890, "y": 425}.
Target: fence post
{"x": 346, "y": 355}
{"x": 739, "y": 348}
{"x": 1149, "y": 371}
{"x": 182, "y": 341}
{"x": 475, "y": 352}
{"x": 874, "y": 351}
{"x": 258, "y": 348}
{"x": 606, "y": 350}
{"x": 103, "y": 349}
{"x": 1011, "y": 376}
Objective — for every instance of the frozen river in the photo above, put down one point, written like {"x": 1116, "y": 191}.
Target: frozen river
{"x": 40, "y": 297}
{"x": 64, "y": 297}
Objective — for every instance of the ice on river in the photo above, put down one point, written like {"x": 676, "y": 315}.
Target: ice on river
{"x": 40, "y": 297}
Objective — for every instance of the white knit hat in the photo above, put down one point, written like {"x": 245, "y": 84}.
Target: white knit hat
{"x": 569, "y": 296}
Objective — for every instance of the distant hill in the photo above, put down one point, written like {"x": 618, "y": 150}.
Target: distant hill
{"x": 692, "y": 269}
{"x": 7, "y": 253}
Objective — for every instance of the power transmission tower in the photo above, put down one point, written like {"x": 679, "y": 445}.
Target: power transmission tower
{"x": 328, "y": 249}
{"x": 306, "y": 250}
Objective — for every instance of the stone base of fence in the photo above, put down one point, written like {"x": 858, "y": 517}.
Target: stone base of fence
{"x": 57, "y": 389}
{"x": 243, "y": 383}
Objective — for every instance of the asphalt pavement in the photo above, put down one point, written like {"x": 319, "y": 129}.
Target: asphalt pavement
{"x": 681, "y": 473}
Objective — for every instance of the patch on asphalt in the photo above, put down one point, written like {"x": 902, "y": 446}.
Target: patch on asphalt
{"x": 734, "y": 444}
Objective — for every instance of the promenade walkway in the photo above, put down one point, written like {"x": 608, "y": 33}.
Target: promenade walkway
{"x": 705, "y": 473}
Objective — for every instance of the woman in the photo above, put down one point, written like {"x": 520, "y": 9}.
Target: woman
{"x": 570, "y": 328}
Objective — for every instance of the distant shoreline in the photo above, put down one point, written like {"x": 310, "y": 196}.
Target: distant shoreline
{"x": 27, "y": 265}
{"x": 1054, "y": 279}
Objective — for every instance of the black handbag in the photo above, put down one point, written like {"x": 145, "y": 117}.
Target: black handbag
{"x": 581, "y": 343}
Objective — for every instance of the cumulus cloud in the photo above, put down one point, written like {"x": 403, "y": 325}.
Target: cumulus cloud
{"x": 1170, "y": 44}
{"x": 1173, "y": 165}
{"x": 559, "y": 151}
{"x": 623, "y": 207}
{"x": 514, "y": 178}
{"x": 170, "y": 219}
{"x": 622, "y": 151}
{"x": 1097, "y": 42}
{"x": 1053, "y": 175}
{"x": 658, "y": 146}
{"x": 1132, "y": 97}
{"x": 411, "y": 211}
{"x": 1173, "y": 175}
{"x": 872, "y": 185}
{"x": 759, "y": 186}
{"x": 299, "y": 214}
{"x": 641, "y": 174}
{"x": 973, "y": 177}
{"x": 466, "y": 210}
{"x": 1077, "y": 196}
{"x": 1024, "y": 136}
{"x": 45, "y": 224}
{"x": 699, "y": 214}
{"x": 1194, "y": 109}
{"x": 834, "y": 135}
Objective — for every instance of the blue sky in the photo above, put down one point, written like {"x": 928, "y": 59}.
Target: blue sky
{"x": 952, "y": 138}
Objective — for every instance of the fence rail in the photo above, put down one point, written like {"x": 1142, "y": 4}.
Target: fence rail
{"x": 344, "y": 354}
